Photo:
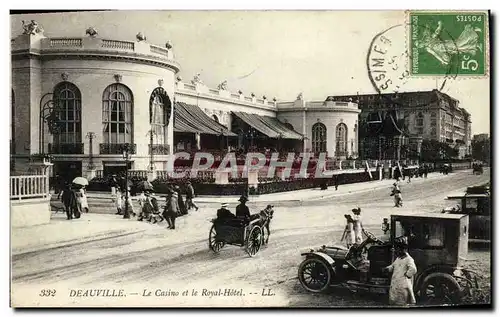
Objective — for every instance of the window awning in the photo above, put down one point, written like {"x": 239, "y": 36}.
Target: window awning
{"x": 269, "y": 126}
{"x": 190, "y": 118}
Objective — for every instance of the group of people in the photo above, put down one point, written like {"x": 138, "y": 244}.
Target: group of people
{"x": 242, "y": 212}
{"x": 149, "y": 209}
{"x": 74, "y": 199}
{"x": 403, "y": 268}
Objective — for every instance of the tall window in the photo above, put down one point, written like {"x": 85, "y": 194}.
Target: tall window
{"x": 68, "y": 100}
{"x": 319, "y": 137}
{"x": 341, "y": 139}
{"x": 159, "y": 113}
{"x": 420, "y": 120}
{"x": 117, "y": 118}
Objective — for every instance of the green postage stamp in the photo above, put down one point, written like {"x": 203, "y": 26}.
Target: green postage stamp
{"x": 448, "y": 43}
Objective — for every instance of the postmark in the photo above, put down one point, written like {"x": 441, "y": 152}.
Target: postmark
{"x": 444, "y": 41}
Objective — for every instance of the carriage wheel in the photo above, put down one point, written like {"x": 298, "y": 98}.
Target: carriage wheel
{"x": 314, "y": 275}
{"x": 254, "y": 241}
{"x": 213, "y": 244}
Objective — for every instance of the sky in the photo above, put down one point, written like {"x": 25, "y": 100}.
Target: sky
{"x": 273, "y": 53}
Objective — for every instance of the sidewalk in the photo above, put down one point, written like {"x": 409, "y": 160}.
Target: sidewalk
{"x": 298, "y": 195}
{"x": 61, "y": 232}
{"x": 313, "y": 193}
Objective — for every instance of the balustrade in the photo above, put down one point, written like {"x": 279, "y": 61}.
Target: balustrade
{"x": 29, "y": 186}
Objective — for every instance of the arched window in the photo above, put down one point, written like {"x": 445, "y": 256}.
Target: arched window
{"x": 288, "y": 125}
{"x": 215, "y": 118}
{"x": 160, "y": 108}
{"x": 68, "y": 101}
{"x": 117, "y": 118}
{"x": 341, "y": 139}
{"x": 319, "y": 137}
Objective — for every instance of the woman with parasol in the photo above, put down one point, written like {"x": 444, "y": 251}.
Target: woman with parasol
{"x": 79, "y": 184}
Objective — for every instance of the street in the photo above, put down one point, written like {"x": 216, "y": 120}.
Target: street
{"x": 176, "y": 260}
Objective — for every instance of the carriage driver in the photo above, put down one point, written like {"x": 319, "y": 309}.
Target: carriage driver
{"x": 242, "y": 210}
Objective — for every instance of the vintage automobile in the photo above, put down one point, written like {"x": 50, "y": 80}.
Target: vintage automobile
{"x": 475, "y": 202}
{"x": 437, "y": 242}
{"x": 251, "y": 235}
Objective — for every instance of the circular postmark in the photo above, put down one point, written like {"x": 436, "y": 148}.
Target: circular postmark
{"x": 389, "y": 61}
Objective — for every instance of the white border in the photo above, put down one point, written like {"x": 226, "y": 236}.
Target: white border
{"x": 191, "y": 5}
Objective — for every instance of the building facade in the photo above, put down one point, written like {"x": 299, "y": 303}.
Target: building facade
{"x": 80, "y": 99}
{"x": 431, "y": 115}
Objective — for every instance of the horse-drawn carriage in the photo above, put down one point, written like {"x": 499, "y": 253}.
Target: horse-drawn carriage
{"x": 477, "y": 168}
{"x": 250, "y": 234}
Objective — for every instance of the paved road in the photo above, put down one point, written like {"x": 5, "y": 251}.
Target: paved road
{"x": 180, "y": 260}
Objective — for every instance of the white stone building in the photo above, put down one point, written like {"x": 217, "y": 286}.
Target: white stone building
{"x": 81, "y": 98}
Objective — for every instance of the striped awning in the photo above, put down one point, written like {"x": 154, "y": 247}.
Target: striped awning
{"x": 269, "y": 126}
{"x": 190, "y": 118}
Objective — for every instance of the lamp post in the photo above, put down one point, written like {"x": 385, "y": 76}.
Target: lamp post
{"x": 151, "y": 149}
{"x": 91, "y": 136}
{"x": 126, "y": 157}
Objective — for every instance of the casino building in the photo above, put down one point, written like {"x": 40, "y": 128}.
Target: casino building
{"x": 81, "y": 98}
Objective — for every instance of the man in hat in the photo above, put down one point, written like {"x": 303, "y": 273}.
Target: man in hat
{"x": 190, "y": 196}
{"x": 403, "y": 270}
{"x": 242, "y": 210}
{"x": 182, "y": 205}
{"x": 357, "y": 225}
{"x": 171, "y": 210}
{"x": 224, "y": 214}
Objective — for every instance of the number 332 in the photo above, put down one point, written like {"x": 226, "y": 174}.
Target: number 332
{"x": 47, "y": 293}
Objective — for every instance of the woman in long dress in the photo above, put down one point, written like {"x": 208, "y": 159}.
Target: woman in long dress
{"x": 82, "y": 200}
{"x": 403, "y": 270}
{"x": 357, "y": 226}
{"x": 118, "y": 202}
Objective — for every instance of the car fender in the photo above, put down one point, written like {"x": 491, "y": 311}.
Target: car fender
{"x": 320, "y": 255}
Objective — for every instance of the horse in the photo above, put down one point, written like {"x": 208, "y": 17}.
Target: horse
{"x": 266, "y": 215}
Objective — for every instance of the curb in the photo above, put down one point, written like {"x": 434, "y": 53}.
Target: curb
{"x": 70, "y": 243}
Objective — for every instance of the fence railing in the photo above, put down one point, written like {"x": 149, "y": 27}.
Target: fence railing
{"x": 29, "y": 186}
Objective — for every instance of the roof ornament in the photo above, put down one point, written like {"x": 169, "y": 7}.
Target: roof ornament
{"x": 197, "y": 80}
{"x": 223, "y": 85}
{"x": 168, "y": 45}
{"x": 179, "y": 78}
{"x": 140, "y": 37}
{"x": 300, "y": 97}
{"x": 32, "y": 28}
{"x": 91, "y": 31}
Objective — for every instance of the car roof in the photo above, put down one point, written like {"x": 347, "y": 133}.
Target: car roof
{"x": 432, "y": 215}
{"x": 468, "y": 196}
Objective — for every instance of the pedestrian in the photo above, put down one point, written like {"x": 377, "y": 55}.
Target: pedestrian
{"x": 118, "y": 201}
{"x": 190, "y": 196}
{"x": 336, "y": 181}
{"x": 82, "y": 200}
{"x": 182, "y": 205}
{"x": 348, "y": 235}
{"x": 113, "y": 183}
{"x": 150, "y": 207}
{"x": 357, "y": 225}
{"x": 127, "y": 203}
{"x": 403, "y": 270}
{"x": 171, "y": 209}
{"x": 67, "y": 198}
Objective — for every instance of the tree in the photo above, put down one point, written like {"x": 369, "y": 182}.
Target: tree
{"x": 433, "y": 150}
{"x": 481, "y": 149}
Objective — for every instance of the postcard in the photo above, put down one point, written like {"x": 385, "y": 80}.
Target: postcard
{"x": 250, "y": 159}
